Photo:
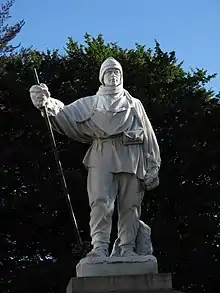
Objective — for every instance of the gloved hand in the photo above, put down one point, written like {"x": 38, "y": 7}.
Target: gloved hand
{"x": 151, "y": 179}
{"x": 151, "y": 182}
{"x": 39, "y": 95}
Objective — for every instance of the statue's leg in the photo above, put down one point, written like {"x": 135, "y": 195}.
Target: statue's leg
{"x": 102, "y": 190}
{"x": 130, "y": 196}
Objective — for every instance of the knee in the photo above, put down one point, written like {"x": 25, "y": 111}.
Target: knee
{"x": 133, "y": 210}
{"x": 129, "y": 205}
{"x": 102, "y": 204}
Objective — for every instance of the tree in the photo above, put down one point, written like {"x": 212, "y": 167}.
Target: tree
{"x": 39, "y": 243}
{"x": 8, "y": 33}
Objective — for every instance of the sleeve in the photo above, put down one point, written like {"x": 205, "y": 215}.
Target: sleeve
{"x": 151, "y": 147}
{"x": 53, "y": 107}
{"x": 64, "y": 120}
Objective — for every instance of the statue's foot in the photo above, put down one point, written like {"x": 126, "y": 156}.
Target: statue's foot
{"x": 98, "y": 252}
{"x": 128, "y": 253}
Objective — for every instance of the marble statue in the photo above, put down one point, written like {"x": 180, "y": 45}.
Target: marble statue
{"x": 123, "y": 160}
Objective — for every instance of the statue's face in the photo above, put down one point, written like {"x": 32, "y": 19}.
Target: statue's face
{"x": 112, "y": 77}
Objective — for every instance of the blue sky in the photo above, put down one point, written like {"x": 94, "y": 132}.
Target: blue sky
{"x": 191, "y": 27}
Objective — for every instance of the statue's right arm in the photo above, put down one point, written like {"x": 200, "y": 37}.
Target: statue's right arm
{"x": 65, "y": 119}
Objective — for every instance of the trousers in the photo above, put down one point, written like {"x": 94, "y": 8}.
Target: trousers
{"x": 103, "y": 189}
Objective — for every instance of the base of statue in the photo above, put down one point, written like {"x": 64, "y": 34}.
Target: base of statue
{"x": 150, "y": 283}
{"x": 117, "y": 266}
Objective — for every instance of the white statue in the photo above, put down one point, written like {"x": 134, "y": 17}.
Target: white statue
{"x": 123, "y": 160}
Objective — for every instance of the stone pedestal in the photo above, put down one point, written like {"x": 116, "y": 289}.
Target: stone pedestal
{"x": 133, "y": 274}
{"x": 117, "y": 266}
{"x": 151, "y": 283}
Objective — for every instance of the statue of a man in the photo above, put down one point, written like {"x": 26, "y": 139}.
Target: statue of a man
{"x": 123, "y": 160}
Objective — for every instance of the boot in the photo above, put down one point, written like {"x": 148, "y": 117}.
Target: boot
{"x": 99, "y": 250}
{"x": 128, "y": 251}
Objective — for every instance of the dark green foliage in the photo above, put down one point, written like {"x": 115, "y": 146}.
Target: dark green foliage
{"x": 38, "y": 248}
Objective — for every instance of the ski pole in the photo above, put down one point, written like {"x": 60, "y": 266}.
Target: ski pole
{"x": 60, "y": 169}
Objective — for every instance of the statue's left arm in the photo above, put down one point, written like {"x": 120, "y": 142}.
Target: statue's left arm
{"x": 151, "y": 149}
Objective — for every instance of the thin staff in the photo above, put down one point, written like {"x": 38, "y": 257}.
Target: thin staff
{"x": 60, "y": 169}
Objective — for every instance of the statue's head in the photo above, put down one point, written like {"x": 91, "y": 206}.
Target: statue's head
{"x": 111, "y": 73}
